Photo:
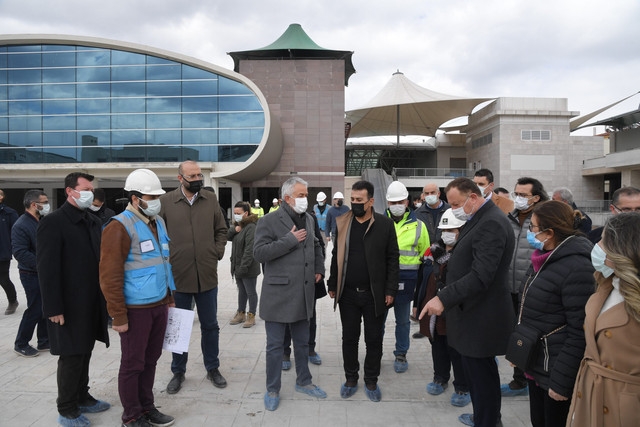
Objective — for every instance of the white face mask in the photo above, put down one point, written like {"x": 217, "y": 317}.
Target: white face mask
{"x": 431, "y": 199}
{"x": 482, "y": 190}
{"x": 397, "y": 210}
{"x": 521, "y": 203}
{"x": 418, "y": 205}
{"x": 46, "y": 208}
{"x": 95, "y": 208}
{"x": 85, "y": 199}
{"x": 449, "y": 237}
{"x": 238, "y": 217}
{"x": 153, "y": 207}
{"x": 301, "y": 205}
{"x": 460, "y": 214}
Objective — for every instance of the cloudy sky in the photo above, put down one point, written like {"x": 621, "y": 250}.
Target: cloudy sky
{"x": 585, "y": 50}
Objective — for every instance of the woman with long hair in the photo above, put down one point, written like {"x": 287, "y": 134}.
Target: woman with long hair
{"x": 607, "y": 389}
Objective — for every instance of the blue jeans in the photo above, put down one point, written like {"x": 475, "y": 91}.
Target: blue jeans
{"x": 32, "y": 316}
{"x": 207, "y": 304}
{"x": 275, "y": 350}
{"x": 403, "y": 326}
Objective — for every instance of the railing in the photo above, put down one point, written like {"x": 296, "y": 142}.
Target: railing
{"x": 430, "y": 172}
{"x": 593, "y": 205}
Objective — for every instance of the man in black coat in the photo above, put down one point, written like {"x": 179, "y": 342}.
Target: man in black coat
{"x": 68, "y": 256}
{"x": 477, "y": 300}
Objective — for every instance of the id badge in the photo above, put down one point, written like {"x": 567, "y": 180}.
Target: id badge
{"x": 146, "y": 246}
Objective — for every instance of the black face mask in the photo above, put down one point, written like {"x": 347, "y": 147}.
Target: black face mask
{"x": 193, "y": 186}
{"x": 339, "y": 203}
{"x": 358, "y": 209}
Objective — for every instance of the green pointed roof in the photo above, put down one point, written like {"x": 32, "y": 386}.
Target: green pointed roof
{"x": 294, "y": 43}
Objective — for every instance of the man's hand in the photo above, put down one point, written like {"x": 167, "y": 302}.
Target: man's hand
{"x": 332, "y": 294}
{"x": 57, "y": 319}
{"x": 434, "y": 306}
{"x": 556, "y": 396}
{"x": 300, "y": 234}
{"x": 388, "y": 300}
{"x": 318, "y": 277}
{"x": 121, "y": 328}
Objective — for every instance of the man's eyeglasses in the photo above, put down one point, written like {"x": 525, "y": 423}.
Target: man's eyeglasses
{"x": 526, "y": 196}
{"x": 192, "y": 177}
{"x": 625, "y": 210}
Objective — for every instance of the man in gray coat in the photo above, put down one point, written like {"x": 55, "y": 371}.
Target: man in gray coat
{"x": 292, "y": 263}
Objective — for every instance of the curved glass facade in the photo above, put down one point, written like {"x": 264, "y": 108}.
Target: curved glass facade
{"x": 68, "y": 104}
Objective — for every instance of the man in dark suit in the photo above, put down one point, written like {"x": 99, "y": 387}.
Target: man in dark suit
{"x": 476, "y": 299}
{"x": 67, "y": 260}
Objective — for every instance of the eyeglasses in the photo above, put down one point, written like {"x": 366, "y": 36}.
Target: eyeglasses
{"x": 192, "y": 177}
{"x": 526, "y": 196}
{"x": 625, "y": 210}
{"x": 532, "y": 226}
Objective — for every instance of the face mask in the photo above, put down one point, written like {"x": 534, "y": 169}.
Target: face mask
{"x": 46, "y": 208}
{"x": 85, "y": 199}
{"x": 432, "y": 199}
{"x": 153, "y": 207}
{"x": 257, "y": 205}
{"x": 482, "y": 189}
{"x": 358, "y": 209}
{"x": 238, "y": 217}
{"x": 193, "y": 186}
{"x": 418, "y": 205}
{"x": 598, "y": 256}
{"x": 521, "y": 203}
{"x": 95, "y": 208}
{"x": 535, "y": 243}
{"x": 320, "y": 203}
{"x": 339, "y": 202}
{"x": 449, "y": 237}
{"x": 301, "y": 205}
{"x": 397, "y": 210}
{"x": 460, "y": 214}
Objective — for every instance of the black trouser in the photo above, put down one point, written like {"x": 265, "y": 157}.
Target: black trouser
{"x": 545, "y": 411}
{"x": 519, "y": 380}
{"x": 444, "y": 358}
{"x": 312, "y": 335}
{"x": 73, "y": 383}
{"x": 6, "y": 283}
{"x": 484, "y": 387}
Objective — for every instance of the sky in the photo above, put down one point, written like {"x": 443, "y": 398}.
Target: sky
{"x": 587, "y": 51}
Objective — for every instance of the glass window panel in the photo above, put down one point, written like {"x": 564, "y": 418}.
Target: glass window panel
{"x": 241, "y": 120}
{"x": 204, "y": 120}
{"x": 200, "y": 104}
{"x": 93, "y": 57}
{"x": 129, "y": 154}
{"x": 59, "y": 91}
{"x": 163, "y": 88}
{"x": 4, "y": 108}
{"x": 25, "y": 48}
{"x": 25, "y": 107}
{"x": 24, "y": 123}
{"x": 25, "y": 60}
{"x": 58, "y": 107}
{"x": 200, "y": 137}
{"x": 21, "y": 155}
{"x": 93, "y": 139}
{"x": 128, "y": 121}
{"x": 189, "y": 73}
{"x": 3, "y": 57}
{"x": 25, "y": 139}
{"x": 60, "y": 155}
{"x": 60, "y": 139}
{"x": 127, "y": 73}
{"x": 200, "y": 87}
{"x": 59, "y": 59}
{"x": 24, "y": 76}
{"x": 200, "y": 153}
{"x": 59, "y": 123}
{"x": 160, "y": 105}
{"x": 93, "y": 90}
{"x": 164, "y": 154}
{"x": 127, "y": 137}
{"x": 95, "y": 155}
{"x": 119, "y": 57}
{"x": 232, "y": 87}
{"x": 4, "y": 126}
{"x": 161, "y": 61}
{"x": 235, "y": 136}
{"x": 240, "y": 153}
{"x": 25, "y": 92}
{"x": 239, "y": 103}
{"x": 163, "y": 121}
{"x": 128, "y": 89}
{"x": 57, "y": 48}
{"x": 93, "y": 74}
{"x": 163, "y": 72}
{"x": 128, "y": 105}
{"x": 59, "y": 75}
{"x": 3, "y": 90}
{"x": 170, "y": 138}
{"x": 93, "y": 106}
{"x": 96, "y": 122}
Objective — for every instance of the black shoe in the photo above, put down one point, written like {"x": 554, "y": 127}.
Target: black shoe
{"x": 27, "y": 351}
{"x": 175, "y": 384}
{"x": 216, "y": 378}
{"x": 417, "y": 335}
{"x": 140, "y": 422}
{"x": 158, "y": 419}
{"x": 11, "y": 308}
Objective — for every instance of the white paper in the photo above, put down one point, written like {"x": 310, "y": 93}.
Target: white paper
{"x": 178, "y": 333}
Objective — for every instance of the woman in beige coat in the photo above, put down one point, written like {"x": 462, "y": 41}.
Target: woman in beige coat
{"x": 607, "y": 390}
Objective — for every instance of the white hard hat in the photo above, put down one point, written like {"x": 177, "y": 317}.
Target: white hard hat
{"x": 144, "y": 181}
{"x": 256, "y": 201}
{"x": 338, "y": 195}
{"x": 321, "y": 197}
{"x": 274, "y": 201}
{"x": 449, "y": 221}
{"x": 397, "y": 192}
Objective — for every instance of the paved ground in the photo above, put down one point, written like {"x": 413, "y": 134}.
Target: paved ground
{"x": 28, "y": 391}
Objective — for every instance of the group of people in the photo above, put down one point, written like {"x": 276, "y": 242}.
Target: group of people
{"x": 472, "y": 270}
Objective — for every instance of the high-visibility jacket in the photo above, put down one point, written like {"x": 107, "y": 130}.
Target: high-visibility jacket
{"x": 413, "y": 240}
{"x": 257, "y": 211}
{"x": 147, "y": 272}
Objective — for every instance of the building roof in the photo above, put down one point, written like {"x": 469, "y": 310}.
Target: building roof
{"x": 294, "y": 43}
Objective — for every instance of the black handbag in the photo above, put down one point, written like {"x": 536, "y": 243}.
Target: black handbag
{"x": 522, "y": 346}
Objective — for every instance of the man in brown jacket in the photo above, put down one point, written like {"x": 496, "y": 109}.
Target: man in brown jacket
{"x": 198, "y": 234}
{"x": 484, "y": 180}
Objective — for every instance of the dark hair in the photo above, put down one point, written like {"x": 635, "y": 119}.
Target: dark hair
{"x": 624, "y": 191}
{"x": 536, "y": 187}
{"x": 71, "y": 180}
{"x": 485, "y": 173}
{"x": 559, "y": 217}
{"x": 464, "y": 186}
{"x": 363, "y": 185}
{"x": 500, "y": 190}
{"x": 99, "y": 194}
{"x": 244, "y": 205}
{"x": 32, "y": 196}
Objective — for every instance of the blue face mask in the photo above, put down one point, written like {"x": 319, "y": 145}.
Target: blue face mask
{"x": 598, "y": 256}
{"x": 535, "y": 243}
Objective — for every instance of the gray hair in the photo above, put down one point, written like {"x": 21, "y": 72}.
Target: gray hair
{"x": 287, "y": 187}
{"x": 565, "y": 194}
{"x": 32, "y": 196}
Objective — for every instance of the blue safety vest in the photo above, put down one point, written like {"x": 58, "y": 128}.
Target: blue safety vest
{"x": 147, "y": 272}
{"x": 322, "y": 217}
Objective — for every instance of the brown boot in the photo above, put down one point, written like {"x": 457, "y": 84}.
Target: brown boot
{"x": 251, "y": 320}
{"x": 238, "y": 318}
